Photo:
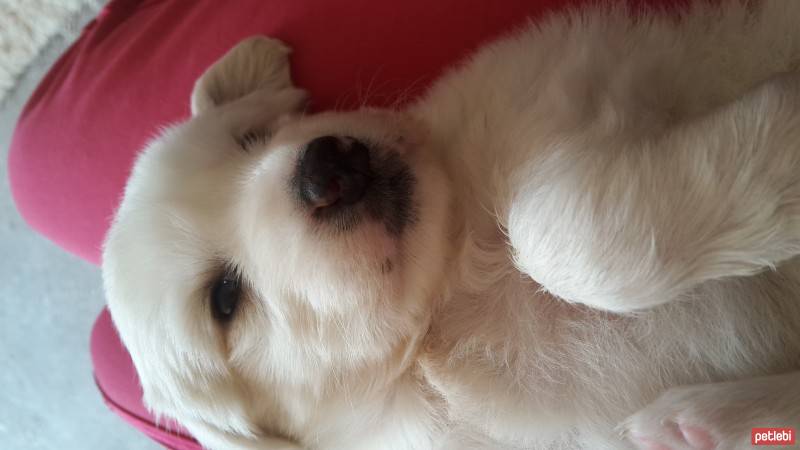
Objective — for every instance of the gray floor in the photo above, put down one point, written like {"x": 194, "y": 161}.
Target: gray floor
{"x": 48, "y": 301}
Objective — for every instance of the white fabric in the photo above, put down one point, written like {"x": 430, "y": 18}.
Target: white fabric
{"x": 27, "y": 26}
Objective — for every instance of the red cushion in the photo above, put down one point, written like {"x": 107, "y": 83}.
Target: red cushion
{"x": 133, "y": 68}
{"x": 116, "y": 379}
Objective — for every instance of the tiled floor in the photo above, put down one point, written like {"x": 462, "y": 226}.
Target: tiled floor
{"x": 48, "y": 301}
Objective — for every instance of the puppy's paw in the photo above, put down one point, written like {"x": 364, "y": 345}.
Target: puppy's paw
{"x": 716, "y": 416}
{"x": 256, "y": 63}
{"x": 664, "y": 428}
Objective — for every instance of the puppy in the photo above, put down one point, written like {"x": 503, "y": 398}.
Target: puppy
{"x": 584, "y": 237}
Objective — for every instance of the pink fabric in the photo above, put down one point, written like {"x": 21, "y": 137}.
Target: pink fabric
{"x": 133, "y": 68}
{"x": 116, "y": 379}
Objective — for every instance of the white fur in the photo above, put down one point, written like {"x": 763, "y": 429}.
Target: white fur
{"x": 607, "y": 208}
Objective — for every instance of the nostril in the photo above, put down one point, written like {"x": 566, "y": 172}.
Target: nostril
{"x": 334, "y": 188}
{"x": 331, "y": 170}
{"x": 320, "y": 194}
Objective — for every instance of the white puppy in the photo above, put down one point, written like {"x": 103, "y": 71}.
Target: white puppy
{"x": 581, "y": 219}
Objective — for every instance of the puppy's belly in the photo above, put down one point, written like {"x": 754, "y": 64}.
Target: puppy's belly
{"x": 528, "y": 368}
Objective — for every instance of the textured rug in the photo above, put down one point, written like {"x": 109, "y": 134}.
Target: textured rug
{"x": 26, "y": 28}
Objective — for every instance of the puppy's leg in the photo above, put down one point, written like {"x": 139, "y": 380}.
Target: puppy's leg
{"x": 717, "y": 416}
{"x": 636, "y": 223}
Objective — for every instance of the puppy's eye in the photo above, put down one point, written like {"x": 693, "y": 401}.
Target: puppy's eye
{"x": 225, "y": 295}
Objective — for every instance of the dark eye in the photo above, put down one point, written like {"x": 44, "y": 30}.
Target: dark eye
{"x": 225, "y": 295}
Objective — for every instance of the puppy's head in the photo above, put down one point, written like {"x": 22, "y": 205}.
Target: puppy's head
{"x": 263, "y": 262}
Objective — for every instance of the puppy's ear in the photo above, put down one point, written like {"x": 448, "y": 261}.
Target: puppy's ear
{"x": 255, "y": 64}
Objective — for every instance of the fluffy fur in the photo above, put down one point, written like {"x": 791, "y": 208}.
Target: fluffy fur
{"x": 606, "y": 214}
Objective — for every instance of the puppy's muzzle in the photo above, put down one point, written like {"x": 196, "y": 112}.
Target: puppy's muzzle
{"x": 333, "y": 171}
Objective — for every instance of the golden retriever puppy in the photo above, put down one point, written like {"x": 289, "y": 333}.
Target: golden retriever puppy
{"x": 584, "y": 237}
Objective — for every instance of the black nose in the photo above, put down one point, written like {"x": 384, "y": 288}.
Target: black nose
{"x": 331, "y": 171}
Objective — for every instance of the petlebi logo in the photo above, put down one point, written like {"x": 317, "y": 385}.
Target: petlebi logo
{"x": 772, "y": 436}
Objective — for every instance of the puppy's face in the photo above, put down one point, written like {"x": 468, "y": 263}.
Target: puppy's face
{"x": 263, "y": 262}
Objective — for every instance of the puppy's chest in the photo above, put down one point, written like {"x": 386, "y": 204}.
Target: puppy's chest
{"x": 494, "y": 312}
{"x": 498, "y": 336}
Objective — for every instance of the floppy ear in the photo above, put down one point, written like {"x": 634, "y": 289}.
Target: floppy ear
{"x": 255, "y": 64}
{"x": 195, "y": 387}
